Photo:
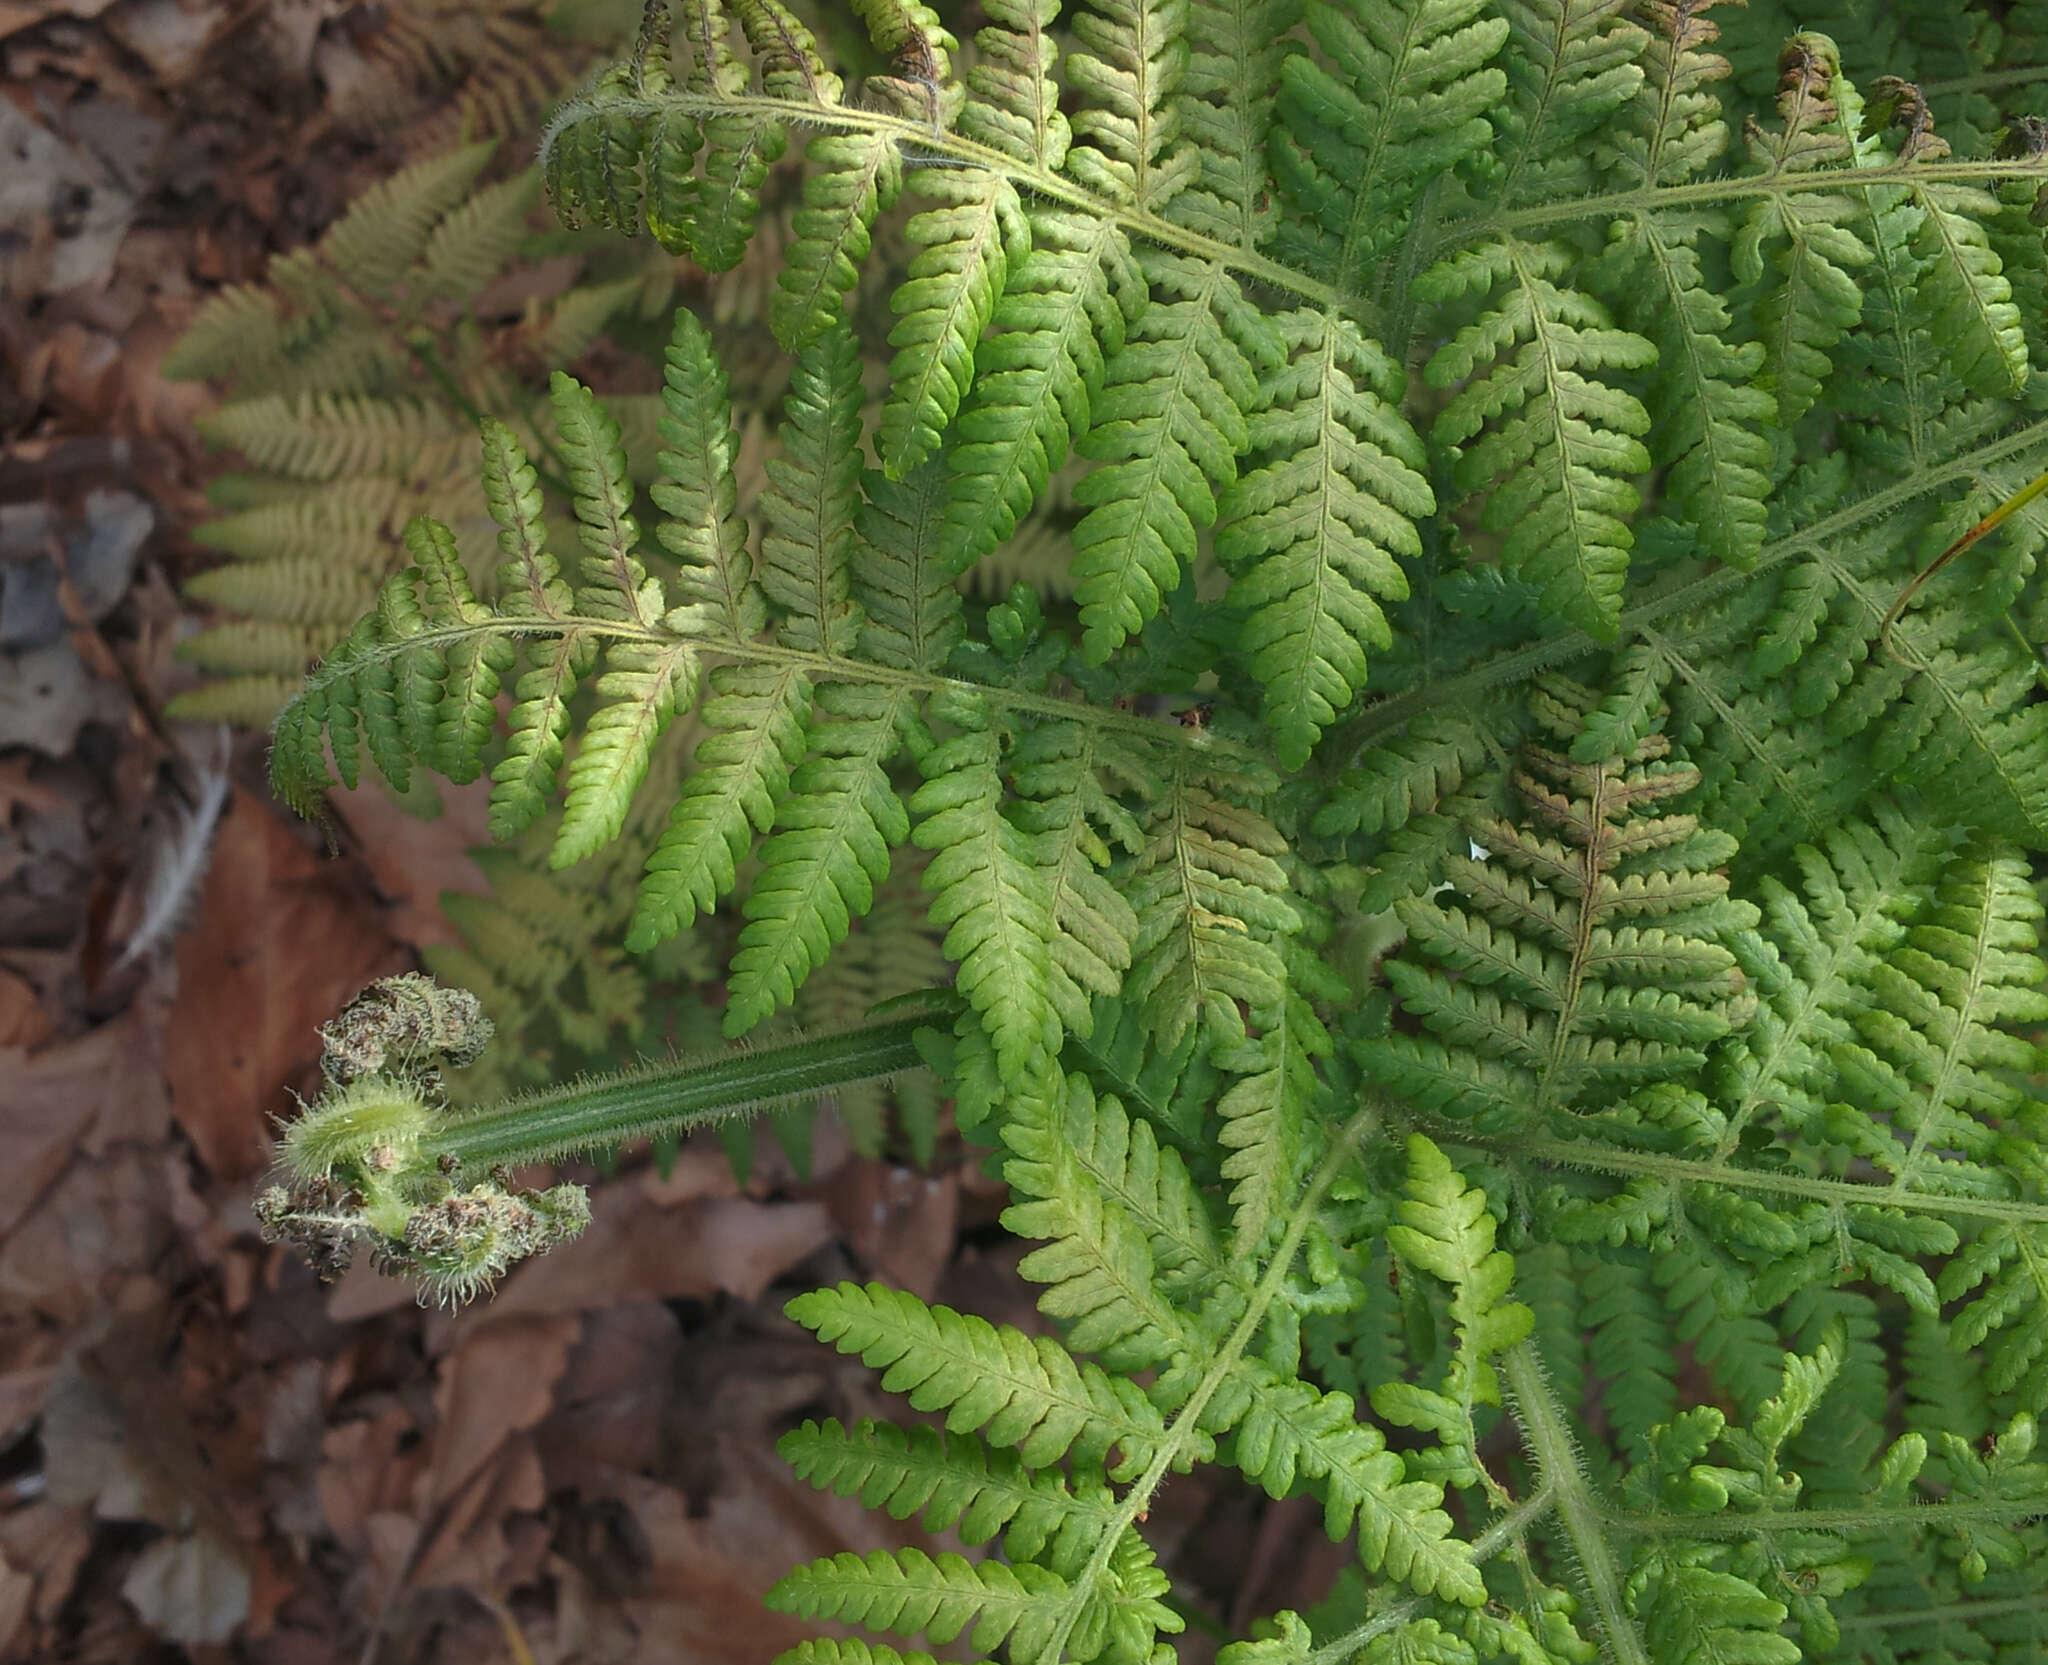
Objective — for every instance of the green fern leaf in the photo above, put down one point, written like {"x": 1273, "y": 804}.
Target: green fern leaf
{"x": 392, "y": 225}
{"x": 1922, "y": 1074}
{"x": 1705, "y": 411}
{"x": 757, "y": 717}
{"x": 1064, "y": 810}
{"x": 1097, "y": 1264}
{"x": 1066, "y": 305}
{"x": 1168, "y": 428}
{"x": 967, "y": 244}
{"x": 855, "y": 177}
{"x": 833, "y": 832}
{"x": 1405, "y": 99}
{"x": 1313, "y": 534}
{"x": 851, "y": 1651}
{"x": 1287, "y": 1429}
{"x": 1017, "y": 1390}
{"x": 1810, "y": 299}
{"x": 1543, "y": 364}
{"x": 696, "y": 494}
{"x": 912, "y": 1594}
{"x": 986, "y": 891}
{"x": 1210, "y": 897}
{"x": 901, "y": 579}
{"x": 953, "y": 1482}
{"x": 812, "y": 500}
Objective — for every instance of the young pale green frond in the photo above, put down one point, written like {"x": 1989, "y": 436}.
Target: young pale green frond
{"x": 1445, "y": 1229}
{"x": 1098, "y": 1263}
{"x": 391, "y": 225}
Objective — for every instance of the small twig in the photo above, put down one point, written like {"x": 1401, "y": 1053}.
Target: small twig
{"x": 1984, "y": 528}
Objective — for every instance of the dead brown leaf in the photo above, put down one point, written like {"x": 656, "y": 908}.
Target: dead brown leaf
{"x": 900, "y": 1223}
{"x": 498, "y": 1382}
{"x": 102, "y": 1223}
{"x": 367, "y": 1469}
{"x": 416, "y": 860}
{"x": 280, "y": 946}
{"x": 23, "y": 1022}
{"x": 636, "y": 1250}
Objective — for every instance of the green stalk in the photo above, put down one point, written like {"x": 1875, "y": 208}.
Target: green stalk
{"x": 673, "y": 1097}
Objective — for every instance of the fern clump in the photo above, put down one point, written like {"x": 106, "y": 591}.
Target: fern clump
{"x": 1493, "y": 908}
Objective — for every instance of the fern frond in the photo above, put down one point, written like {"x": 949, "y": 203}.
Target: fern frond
{"x": 986, "y": 890}
{"x": 392, "y": 224}
{"x": 1066, "y": 307}
{"x": 1071, "y": 820}
{"x": 901, "y": 578}
{"x": 1312, "y": 535}
{"x": 1405, "y": 99}
{"x": 757, "y": 716}
{"x": 968, "y": 244}
{"x": 1288, "y": 1429}
{"x": 912, "y": 1594}
{"x": 813, "y": 497}
{"x": 1168, "y": 429}
{"x": 697, "y": 495}
{"x": 1706, "y": 412}
{"x": 1599, "y": 932}
{"x": 1015, "y": 1390}
{"x": 1925, "y": 1063}
{"x": 1543, "y": 366}
{"x": 1810, "y": 298}
{"x": 830, "y": 849}
{"x": 952, "y": 1481}
{"x": 1210, "y": 896}
{"x": 321, "y": 437}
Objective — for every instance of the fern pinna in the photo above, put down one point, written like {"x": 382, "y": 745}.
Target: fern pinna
{"x": 1539, "y": 1057}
